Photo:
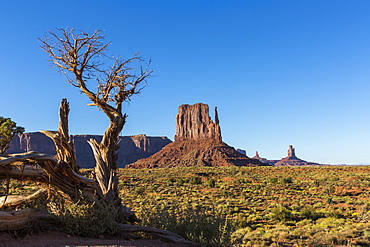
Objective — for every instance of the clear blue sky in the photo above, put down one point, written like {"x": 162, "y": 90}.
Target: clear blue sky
{"x": 280, "y": 72}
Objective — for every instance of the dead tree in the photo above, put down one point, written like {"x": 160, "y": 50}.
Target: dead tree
{"x": 79, "y": 55}
{"x": 60, "y": 176}
{"x": 63, "y": 145}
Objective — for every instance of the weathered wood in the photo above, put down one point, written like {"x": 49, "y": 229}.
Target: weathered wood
{"x": 78, "y": 53}
{"x": 59, "y": 174}
{"x": 63, "y": 144}
{"x": 14, "y": 201}
{"x": 24, "y": 173}
{"x": 20, "y": 219}
{"x": 173, "y": 237}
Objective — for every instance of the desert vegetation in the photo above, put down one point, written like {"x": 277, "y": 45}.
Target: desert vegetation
{"x": 232, "y": 206}
{"x": 254, "y": 206}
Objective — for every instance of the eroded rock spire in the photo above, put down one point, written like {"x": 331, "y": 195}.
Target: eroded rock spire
{"x": 216, "y": 116}
{"x": 194, "y": 123}
{"x": 291, "y": 152}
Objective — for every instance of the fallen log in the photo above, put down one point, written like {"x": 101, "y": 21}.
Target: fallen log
{"x": 23, "y": 172}
{"x": 20, "y": 219}
{"x": 173, "y": 237}
{"x": 58, "y": 173}
{"x": 14, "y": 201}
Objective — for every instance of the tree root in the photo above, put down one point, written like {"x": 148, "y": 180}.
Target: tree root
{"x": 173, "y": 237}
{"x": 17, "y": 220}
{"x": 20, "y": 219}
{"x": 16, "y": 201}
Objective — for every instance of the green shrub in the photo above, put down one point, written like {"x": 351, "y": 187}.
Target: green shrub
{"x": 310, "y": 213}
{"x": 90, "y": 220}
{"x": 195, "y": 180}
{"x": 316, "y": 183}
{"x": 139, "y": 191}
{"x": 329, "y": 200}
{"x": 194, "y": 225}
{"x": 329, "y": 190}
{"x": 281, "y": 214}
{"x": 274, "y": 180}
{"x": 211, "y": 183}
{"x": 287, "y": 180}
{"x": 180, "y": 181}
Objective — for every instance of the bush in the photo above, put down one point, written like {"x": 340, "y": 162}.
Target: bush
{"x": 281, "y": 214}
{"x": 180, "y": 181}
{"x": 90, "y": 220}
{"x": 171, "y": 181}
{"x": 211, "y": 183}
{"x": 139, "y": 191}
{"x": 274, "y": 180}
{"x": 329, "y": 200}
{"x": 194, "y": 225}
{"x": 310, "y": 213}
{"x": 329, "y": 190}
{"x": 286, "y": 180}
{"x": 195, "y": 180}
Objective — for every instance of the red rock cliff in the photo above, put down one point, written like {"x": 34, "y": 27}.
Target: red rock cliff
{"x": 193, "y": 123}
{"x": 131, "y": 149}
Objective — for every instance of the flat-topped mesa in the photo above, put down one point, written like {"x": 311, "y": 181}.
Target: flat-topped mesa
{"x": 291, "y": 152}
{"x": 194, "y": 123}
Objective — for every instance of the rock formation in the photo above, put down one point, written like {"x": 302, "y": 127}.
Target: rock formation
{"x": 242, "y": 151}
{"x": 193, "y": 123}
{"x": 291, "y": 152}
{"x": 257, "y": 156}
{"x": 198, "y": 142}
{"x": 292, "y": 160}
{"x": 132, "y": 147}
{"x": 264, "y": 160}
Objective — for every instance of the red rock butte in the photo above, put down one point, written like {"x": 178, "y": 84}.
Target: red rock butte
{"x": 292, "y": 160}
{"x": 198, "y": 142}
{"x": 193, "y": 123}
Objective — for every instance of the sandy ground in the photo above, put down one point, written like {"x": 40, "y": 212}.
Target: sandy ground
{"x": 61, "y": 239}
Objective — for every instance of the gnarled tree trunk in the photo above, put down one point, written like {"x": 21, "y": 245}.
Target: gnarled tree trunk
{"x": 63, "y": 177}
{"x": 63, "y": 145}
{"x": 106, "y": 157}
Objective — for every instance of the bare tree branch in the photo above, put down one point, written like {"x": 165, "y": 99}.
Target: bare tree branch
{"x": 79, "y": 55}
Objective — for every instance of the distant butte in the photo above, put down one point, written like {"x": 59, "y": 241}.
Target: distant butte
{"x": 292, "y": 160}
{"x": 198, "y": 142}
{"x": 264, "y": 160}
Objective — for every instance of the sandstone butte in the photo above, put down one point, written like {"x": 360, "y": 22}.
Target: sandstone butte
{"x": 292, "y": 160}
{"x": 198, "y": 142}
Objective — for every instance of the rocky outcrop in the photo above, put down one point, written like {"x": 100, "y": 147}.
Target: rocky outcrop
{"x": 257, "y": 156}
{"x": 292, "y": 160}
{"x": 264, "y": 160}
{"x": 132, "y": 147}
{"x": 197, "y": 142}
{"x": 195, "y": 153}
{"x": 193, "y": 123}
{"x": 291, "y": 152}
{"x": 242, "y": 151}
